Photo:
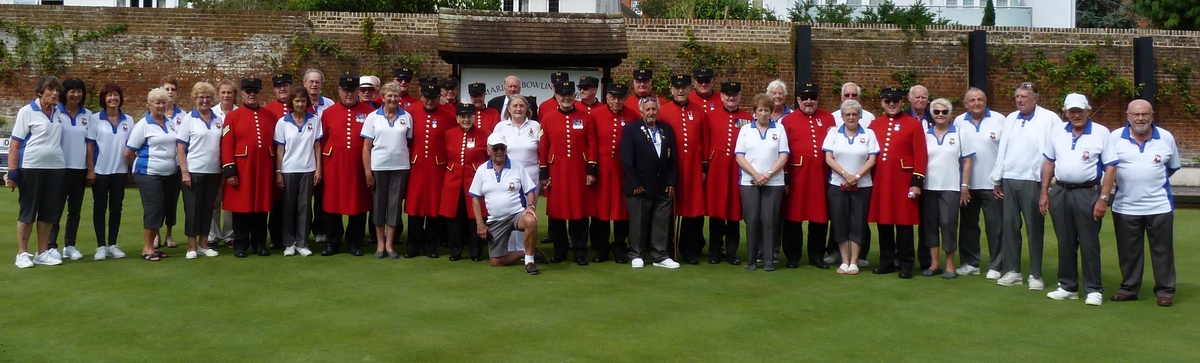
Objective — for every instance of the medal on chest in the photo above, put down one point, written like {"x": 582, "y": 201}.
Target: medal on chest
{"x": 360, "y": 118}
{"x": 689, "y": 114}
{"x": 470, "y": 142}
{"x": 433, "y": 122}
{"x": 622, "y": 120}
{"x": 577, "y": 124}
{"x": 897, "y": 127}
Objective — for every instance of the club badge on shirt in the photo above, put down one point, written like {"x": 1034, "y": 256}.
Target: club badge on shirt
{"x": 1085, "y": 155}
{"x": 310, "y": 127}
{"x": 862, "y": 140}
{"x": 84, "y": 121}
{"x": 125, "y": 127}
{"x": 992, "y": 135}
{"x": 1157, "y": 159}
{"x": 774, "y": 137}
{"x": 511, "y": 186}
{"x": 952, "y": 143}
{"x": 577, "y": 124}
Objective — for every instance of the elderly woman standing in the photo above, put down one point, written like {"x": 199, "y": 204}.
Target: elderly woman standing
{"x": 945, "y": 184}
{"x": 762, "y": 150}
{"x": 850, "y": 153}
{"x": 297, "y": 169}
{"x": 199, "y": 151}
{"x": 777, "y": 91}
{"x": 74, "y": 119}
{"x": 38, "y": 171}
{"x": 151, "y": 150}
{"x": 107, "y": 170}
{"x": 222, "y": 221}
{"x": 385, "y": 136}
{"x": 174, "y": 116}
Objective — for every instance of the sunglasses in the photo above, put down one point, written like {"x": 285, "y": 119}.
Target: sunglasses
{"x": 1028, "y": 86}
{"x": 808, "y": 97}
{"x": 251, "y": 91}
{"x": 891, "y": 100}
{"x": 849, "y": 95}
{"x": 940, "y": 112}
{"x": 703, "y": 81}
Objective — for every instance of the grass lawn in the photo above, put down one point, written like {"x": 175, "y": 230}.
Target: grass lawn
{"x": 359, "y": 309}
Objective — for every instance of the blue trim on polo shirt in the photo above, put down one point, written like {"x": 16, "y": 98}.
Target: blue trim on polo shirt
{"x": 987, "y": 113}
{"x": 849, "y": 140}
{"x": 392, "y": 122}
{"x": 1142, "y": 147}
{"x": 211, "y": 116}
{"x": 1026, "y": 118}
{"x": 943, "y": 139}
{"x": 762, "y": 135}
{"x": 151, "y": 120}
{"x": 63, "y": 108}
{"x": 141, "y": 163}
{"x": 1087, "y": 130}
{"x": 104, "y": 117}
{"x": 34, "y": 103}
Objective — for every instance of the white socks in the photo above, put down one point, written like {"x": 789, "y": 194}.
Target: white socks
{"x": 528, "y": 259}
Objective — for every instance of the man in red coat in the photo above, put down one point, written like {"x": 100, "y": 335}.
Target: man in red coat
{"x": 704, "y": 94}
{"x": 588, "y": 88}
{"x": 807, "y": 177}
{"x": 428, "y": 151}
{"x": 643, "y": 86}
{"x": 567, "y": 159}
{"x": 899, "y": 175}
{"x": 345, "y": 183}
{"x": 610, "y": 198}
{"x": 449, "y": 101}
{"x": 724, "y": 202}
{"x": 552, "y": 104}
{"x": 402, "y": 76}
{"x": 248, "y": 165}
{"x": 688, "y": 121}
{"x": 282, "y": 86}
{"x": 466, "y": 150}
{"x": 485, "y": 118}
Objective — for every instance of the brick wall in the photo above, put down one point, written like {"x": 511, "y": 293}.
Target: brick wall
{"x": 209, "y": 45}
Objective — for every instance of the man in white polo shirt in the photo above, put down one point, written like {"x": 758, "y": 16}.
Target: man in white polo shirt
{"x": 1075, "y": 155}
{"x": 1016, "y": 178}
{"x": 982, "y": 129}
{"x": 510, "y": 195}
{"x": 851, "y": 91}
{"x": 314, "y": 81}
{"x": 1146, "y": 158}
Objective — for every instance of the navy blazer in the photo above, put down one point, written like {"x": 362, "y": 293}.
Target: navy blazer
{"x": 643, "y": 166}
{"x": 498, "y": 104}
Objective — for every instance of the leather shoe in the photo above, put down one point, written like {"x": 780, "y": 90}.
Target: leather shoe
{"x": 598, "y": 258}
{"x": 531, "y": 269}
{"x": 885, "y": 269}
{"x": 354, "y": 250}
{"x": 410, "y": 254}
{"x": 239, "y": 253}
{"x": 906, "y": 274}
{"x": 547, "y": 241}
{"x": 455, "y": 258}
{"x": 1165, "y": 302}
{"x": 1124, "y": 297}
{"x": 818, "y": 264}
{"x": 581, "y": 261}
{"x": 620, "y": 259}
{"x": 692, "y": 261}
{"x": 734, "y": 261}
{"x": 539, "y": 256}
{"x": 714, "y": 260}
{"x": 330, "y": 250}
{"x": 431, "y": 255}
{"x": 929, "y": 273}
{"x": 557, "y": 259}
{"x": 263, "y": 252}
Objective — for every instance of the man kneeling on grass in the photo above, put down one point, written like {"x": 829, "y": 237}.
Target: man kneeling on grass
{"x": 510, "y": 195}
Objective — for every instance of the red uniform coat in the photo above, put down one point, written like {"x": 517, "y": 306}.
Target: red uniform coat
{"x": 688, "y": 122}
{"x": 902, "y": 153}
{"x": 344, "y": 179}
{"x": 486, "y": 119}
{"x": 466, "y": 151}
{"x": 246, "y": 145}
{"x": 552, "y": 104}
{"x": 807, "y": 174}
{"x": 591, "y": 109}
{"x": 428, "y": 151}
{"x": 279, "y": 109}
{"x": 566, "y": 147}
{"x": 721, "y": 188}
{"x": 610, "y": 198}
{"x": 710, "y": 103}
{"x": 631, "y": 103}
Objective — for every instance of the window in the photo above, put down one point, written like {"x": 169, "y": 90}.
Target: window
{"x": 854, "y": 2}
{"x": 553, "y": 6}
{"x": 508, "y": 5}
{"x": 52, "y": 2}
{"x": 969, "y": 2}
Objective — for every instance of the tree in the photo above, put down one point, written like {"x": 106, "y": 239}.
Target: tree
{"x": 803, "y": 12}
{"x": 1104, "y": 14}
{"x": 704, "y": 9}
{"x": 1170, "y": 14}
{"x": 916, "y": 15}
{"x": 989, "y": 14}
{"x": 367, "y": 6}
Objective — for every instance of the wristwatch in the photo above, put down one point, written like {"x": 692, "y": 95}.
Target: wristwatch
{"x": 1107, "y": 198}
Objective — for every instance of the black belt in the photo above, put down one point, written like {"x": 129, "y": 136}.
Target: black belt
{"x": 1087, "y": 185}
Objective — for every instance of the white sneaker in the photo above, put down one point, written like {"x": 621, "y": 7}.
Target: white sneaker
{"x": 637, "y": 263}
{"x": 207, "y": 252}
{"x": 190, "y": 255}
{"x": 967, "y": 270}
{"x": 47, "y": 258}
{"x": 72, "y": 253}
{"x": 863, "y": 263}
{"x": 291, "y": 250}
{"x": 101, "y": 253}
{"x": 320, "y": 238}
{"x": 992, "y": 275}
{"x": 54, "y": 253}
{"x": 115, "y": 252}
{"x": 1060, "y": 294}
{"x": 667, "y": 263}
{"x": 304, "y": 251}
{"x": 1036, "y": 283}
{"x": 1010, "y": 279}
{"x": 24, "y": 260}
{"x": 1094, "y": 299}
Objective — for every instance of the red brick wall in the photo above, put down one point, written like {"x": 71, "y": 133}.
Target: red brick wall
{"x": 208, "y": 45}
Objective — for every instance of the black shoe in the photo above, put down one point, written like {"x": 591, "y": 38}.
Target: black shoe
{"x": 330, "y": 250}
{"x": 600, "y": 257}
{"x": 885, "y": 269}
{"x": 714, "y": 260}
{"x": 539, "y": 256}
{"x": 769, "y": 268}
{"x": 793, "y": 264}
{"x": 239, "y": 253}
{"x": 906, "y": 274}
{"x": 691, "y": 261}
{"x": 431, "y": 255}
{"x": 455, "y": 258}
{"x": 277, "y": 245}
{"x": 410, "y": 254}
{"x": 734, "y": 261}
{"x": 354, "y": 250}
{"x": 263, "y": 252}
{"x": 476, "y": 259}
{"x": 621, "y": 259}
{"x": 581, "y": 261}
{"x": 819, "y": 264}
{"x": 547, "y": 241}
{"x": 557, "y": 259}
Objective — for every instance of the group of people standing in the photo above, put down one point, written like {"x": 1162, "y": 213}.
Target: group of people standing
{"x": 610, "y": 161}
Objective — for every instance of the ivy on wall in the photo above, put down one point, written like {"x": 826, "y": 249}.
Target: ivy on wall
{"x": 45, "y": 49}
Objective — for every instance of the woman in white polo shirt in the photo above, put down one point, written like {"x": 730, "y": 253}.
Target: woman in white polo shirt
{"x": 175, "y": 116}
{"x": 74, "y": 119}
{"x": 386, "y": 133}
{"x": 199, "y": 153}
{"x": 151, "y": 151}
{"x": 761, "y": 152}
{"x": 945, "y": 187}
{"x": 35, "y": 163}
{"x": 850, "y": 152}
{"x": 523, "y": 135}
{"x": 222, "y": 220}
{"x": 297, "y": 169}
{"x": 107, "y": 170}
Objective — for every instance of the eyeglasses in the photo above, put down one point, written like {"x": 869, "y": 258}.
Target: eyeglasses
{"x": 647, "y": 99}
{"x": 251, "y": 91}
{"x": 891, "y": 100}
{"x": 849, "y": 95}
{"x": 940, "y": 112}
{"x": 1140, "y": 114}
{"x": 808, "y": 97}
{"x": 402, "y": 80}
{"x": 1028, "y": 86}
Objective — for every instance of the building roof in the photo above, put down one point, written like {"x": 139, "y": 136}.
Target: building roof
{"x": 529, "y": 39}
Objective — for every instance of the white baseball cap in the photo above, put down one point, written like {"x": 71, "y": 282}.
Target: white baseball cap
{"x": 1076, "y": 100}
{"x": 496, "y": 139}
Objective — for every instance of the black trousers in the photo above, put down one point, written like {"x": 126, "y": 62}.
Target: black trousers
{"x": 460, "y": 230}
{"x": 108, "y": 193}
{"x": 599, "y": 232}
{"x": 249, "y": 230}
{"x": 423, "y": 234}
{"x": 896, "y": 246}
{"x": 793, "y": 240}
{"x": 576, "y": 229}
{"x": 725, "y": 235}
{"x": 352, "y": 234}
{"x": 74, "y": 181}
{"x": 691, "y": 237}
{"x": 317, "y": 225}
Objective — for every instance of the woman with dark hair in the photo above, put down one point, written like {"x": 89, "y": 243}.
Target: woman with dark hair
{"x": 761, "y": 152}
{"x": 38, "y": 171}
{"x": 107, "y": 170}
{"x": 174, "y": 116}
{"x": 199, "y": 151}
{"x": 151, "y": 149}
{"x": 74, "y": 120}
{"x": 297, "y": 169}
{"x": 222, "y": 221}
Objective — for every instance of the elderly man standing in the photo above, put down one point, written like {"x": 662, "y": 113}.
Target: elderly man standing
{"x": 1146, "y": 157}
{"x": 806, "y": 179}
{"x": 981, "y": 128}
{"x": 1074, "y": 156}
{"x": 851, "y": 91}
{"x": 688, "y": 119}
{"x": 512, "y": 87}
{"x": 704, "y": 95}
{"x": 345, "y": 180}
{"x": 898, "y": 178}
{"x": 918, "y": 105}
{"x": 567, "y": 166}
{"x": 1015, "y": 177}
{"x": 643, "y": 86}
{"x": 314, "y": 80}
{"x": 648, "y": 156}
